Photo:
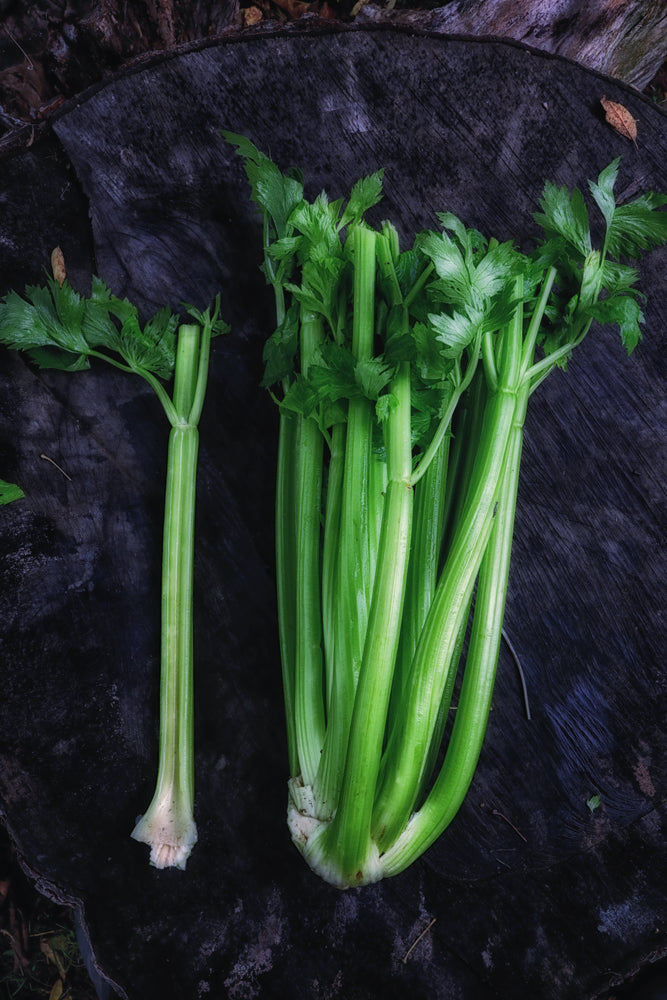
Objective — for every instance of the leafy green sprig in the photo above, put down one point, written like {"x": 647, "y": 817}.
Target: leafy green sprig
{"x": 60, "y": 328}
{"x": 595, "y": 283}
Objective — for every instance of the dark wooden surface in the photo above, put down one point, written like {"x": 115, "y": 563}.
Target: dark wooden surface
{"x": 563, "y": 902}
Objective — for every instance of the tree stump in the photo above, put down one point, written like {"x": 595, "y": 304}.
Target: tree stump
{"x": 530, "y": 890}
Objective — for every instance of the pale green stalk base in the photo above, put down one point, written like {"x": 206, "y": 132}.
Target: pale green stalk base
{"x": 169, "y": 829}
{"x": 309, "y": 837}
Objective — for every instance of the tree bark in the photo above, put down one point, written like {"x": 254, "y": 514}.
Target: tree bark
{"x": 620, "y": 38}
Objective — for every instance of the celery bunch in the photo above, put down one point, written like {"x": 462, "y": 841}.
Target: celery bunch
{"x": 403, "y": 379}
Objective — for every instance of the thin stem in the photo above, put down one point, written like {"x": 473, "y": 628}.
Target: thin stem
{"x": 152, "y": 380}
{"x": 348, "y": 838}
{"x": 461, "y": 385}
{"x": 202, "y": 375}
{"x": 537, "y": 373}
{"x": 309, "y": 703}
{"x": 536, "y": 320}
{"x": 285, "y": 528}
{"x": 168, "y": 825}
{"x": 418, "y": 285}
{"x": 355, "y": 546}
{"x": 437, "y": 439}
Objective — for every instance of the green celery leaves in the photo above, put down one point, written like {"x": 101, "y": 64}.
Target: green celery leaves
{"x": 62, "y": 329}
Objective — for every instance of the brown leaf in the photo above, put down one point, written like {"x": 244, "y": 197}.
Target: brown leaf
{"x": 620, "y": 119}
{"x": 251, "y": 15}
{"x": 58, "y": 266}
{"x": 56, "y": 990}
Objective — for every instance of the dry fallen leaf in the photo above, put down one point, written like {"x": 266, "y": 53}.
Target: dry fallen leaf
{"x": 620, "y": 119}
{"x": 58, "y": 266}
{"x": 251, "y": 15}
{"x": 56, "y": 990}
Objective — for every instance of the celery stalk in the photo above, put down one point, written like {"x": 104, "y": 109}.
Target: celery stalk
{"x": 168, "y": 825}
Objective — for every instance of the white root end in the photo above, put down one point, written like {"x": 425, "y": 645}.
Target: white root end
{"x": 171, "y": 834}
{"x": 169, "y": 856}
{"x": 307, "y": 832}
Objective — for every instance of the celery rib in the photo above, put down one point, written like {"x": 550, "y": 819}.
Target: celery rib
{"x": 168, "y": 826}
{"x": 308, "y": 686}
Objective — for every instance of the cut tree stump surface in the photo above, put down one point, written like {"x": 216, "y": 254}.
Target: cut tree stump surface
{"x": 531, "y": 892}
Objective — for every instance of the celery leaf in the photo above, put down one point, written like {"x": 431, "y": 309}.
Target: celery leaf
{"x": 603, "y": 191}
{"x": 61, "y": 329}
{"x": 566, "y": 216}
{"x": 9, "y": 492}
{"x": 623, "y": 310}
{"x": 372, "y": 375}
{"x": 277, "y": 194}
{"x": 366, "y": 193}
{"x": 280, "y": 349}
{"x": 43, "y": 318}
{"x": 637, "y": 226}
{"x": 153, "y": 348}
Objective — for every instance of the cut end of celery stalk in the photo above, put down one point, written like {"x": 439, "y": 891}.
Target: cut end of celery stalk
{"x": 309, "y": 834}
{"x": 170, "y": 832}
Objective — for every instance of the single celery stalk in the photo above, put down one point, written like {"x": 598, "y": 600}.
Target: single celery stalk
{"x": 309, "y": 667}
{"x": 168, "y": 825}
{"x": 64, "y": 330}
{"x": 355, "y": 540}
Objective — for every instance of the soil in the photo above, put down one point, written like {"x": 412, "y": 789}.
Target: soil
{"x": 51, "y": 50}
{"x": 39, "y": 955}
